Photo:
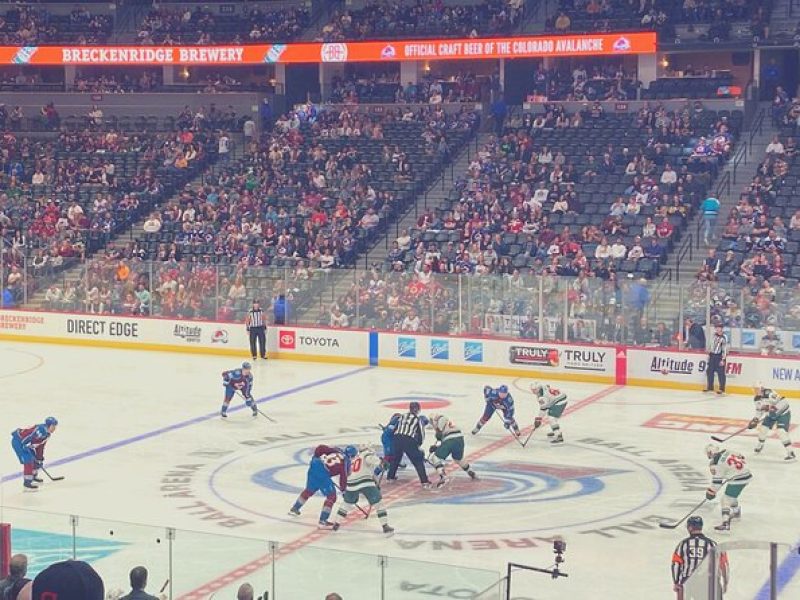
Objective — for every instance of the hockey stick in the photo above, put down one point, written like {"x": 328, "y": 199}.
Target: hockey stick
{"x": 665, "y": 525}
{"x": 265, "y": 415}
{"x": 689, "y": 514}
{"x": 163, "y": 587}
{"x": 59, "y": 478}
{"x": 363, "y": 512}
{"x": 530, "y": 435}
{"x": 734, "y": 434}
{"x": 258, "y": 410}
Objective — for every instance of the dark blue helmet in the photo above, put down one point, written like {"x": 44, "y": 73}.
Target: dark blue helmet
{"x": 351, "y": 451}
{"x": 247, "y": 365}
{"x": 695, "y": 522}
{"x": 50, "y": 421}
{"x": 503, "y": 389}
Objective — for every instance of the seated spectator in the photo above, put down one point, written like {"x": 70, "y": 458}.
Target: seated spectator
{"x": 775, "y": 147}
{"x": 12, "y": 585}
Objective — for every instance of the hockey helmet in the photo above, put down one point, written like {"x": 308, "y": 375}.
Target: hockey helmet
{"x": 351, "y": 451}
{"x": 414, "y": 408}
{"x": 537, "y": 388}
{"x": 694, "y": 522}
{"x": 503, "y": 389}
{"x": 246, "y": 365}
{"x": 712, "y": 450}
{"x": 50, "y": 422}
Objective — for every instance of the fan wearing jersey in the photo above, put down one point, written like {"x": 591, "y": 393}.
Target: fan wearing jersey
{"x": 365, "y": 466}
{"x": 498, "y": 400}
{"x": 326, "y": 463}
{"x": 552, "y": 403}
{"x": 772, "y": 412}
{"x": 450, "y": 442}
{"x": 28, "y": 444}
{"x": 728, "y": 470}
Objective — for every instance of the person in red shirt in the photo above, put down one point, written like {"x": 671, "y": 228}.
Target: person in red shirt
{"x": 664, "y": 229}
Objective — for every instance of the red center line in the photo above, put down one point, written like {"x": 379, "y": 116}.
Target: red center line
{"x": 398, "y": 492}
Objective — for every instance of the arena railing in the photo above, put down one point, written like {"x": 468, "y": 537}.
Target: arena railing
{"x": 624, "y": 309}
{"x": 739, "y": 570}
{"x": 198, "y": 566}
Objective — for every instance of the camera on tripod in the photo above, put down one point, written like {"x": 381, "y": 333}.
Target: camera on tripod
{"x": 559, "y": 548}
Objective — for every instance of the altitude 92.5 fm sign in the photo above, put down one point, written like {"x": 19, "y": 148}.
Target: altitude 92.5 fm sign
{"x": 686, "y": 367}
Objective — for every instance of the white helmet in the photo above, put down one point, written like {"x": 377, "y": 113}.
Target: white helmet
{"x": 712, "y": 450}
{"x": 537, "y": 388}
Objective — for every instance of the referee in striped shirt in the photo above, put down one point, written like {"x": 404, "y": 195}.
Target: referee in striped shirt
{"x": 717, "y": 358}
{"x": 690, "y": 553}
{"x": 408, "y": 437}
{"x": 257, "y": 329}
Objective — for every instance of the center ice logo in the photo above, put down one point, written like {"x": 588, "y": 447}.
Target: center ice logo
{"x": 512, "y": 482}
{"x": 506, "y": 482}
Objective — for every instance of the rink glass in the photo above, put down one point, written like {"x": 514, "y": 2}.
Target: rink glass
{"x": 536, "y": 307}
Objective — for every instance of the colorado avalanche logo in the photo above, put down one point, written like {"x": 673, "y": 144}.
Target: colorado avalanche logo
{"x": 388, "y": 52}
{"x": 623, "y": 44}
{"x": 522, "y": 482}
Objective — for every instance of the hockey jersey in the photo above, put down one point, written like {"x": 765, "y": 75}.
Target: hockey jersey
{"x": 728, "y": 467}
{"x": 337, "y": 464}
{"x": 362, "y": 470}
{"x": 550, "y": 397}
{"x": 34, "y": 438}
{"x": 238, "y": 380}
{"x": 445, "y": 428}
{"x": 492, "y": 396}
{"x": 770, "y": 403}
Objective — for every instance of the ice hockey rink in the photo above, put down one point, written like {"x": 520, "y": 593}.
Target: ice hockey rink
{"x": 142, "y": 449}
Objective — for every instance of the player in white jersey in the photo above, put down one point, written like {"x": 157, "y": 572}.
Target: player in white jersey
{"x": 772, "y": 412}
{"x": 450, "y": 442}
{"x": 728, "y": 469}
{"x": 365, "y": 466}
{"x": 552, "y": 403}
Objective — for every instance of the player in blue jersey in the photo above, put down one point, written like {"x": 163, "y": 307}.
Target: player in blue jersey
{"x": 387, "y": 438}
{"x": 498, "y": 400}
{"x": 238, "y": 380}
{"x": 326, "y": 462}
{"x": 28, "y": 444}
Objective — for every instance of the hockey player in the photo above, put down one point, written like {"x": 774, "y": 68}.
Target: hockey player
{"x": 498, "y": 399}
{"x": 327, "y": 462}
{"x": 450, "y": 442}
{"x": 28, "y": 444}
{"x": 238, "y": 380}
{"x": 387, "y": 438}
{"x": 772, "y": 412}
{"x": 552, "y": 403}
{"x": 365, "y": 466}
{"x": 728, "y": 469}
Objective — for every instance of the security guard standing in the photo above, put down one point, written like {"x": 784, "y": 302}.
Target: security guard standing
{"x": 257, "y": 328}
{"x": 717, "y": 357}
{"x": 690, "y": 553}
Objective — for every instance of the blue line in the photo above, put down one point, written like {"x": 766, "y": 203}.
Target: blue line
{"x": 786, "y": 572}
{"x": 188, "y": 423}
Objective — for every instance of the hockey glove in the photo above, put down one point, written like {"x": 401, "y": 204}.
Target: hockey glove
{"x": 433, "y": 448}
{"x": 753, "y": 423}
{"x": 710, "y": 494}
{"x": 537, "y": 422}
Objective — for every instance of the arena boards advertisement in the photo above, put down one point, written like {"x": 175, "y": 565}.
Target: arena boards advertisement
{"x": 600, "y": 44}
{"x": 308, "y": 343}
{"x": 648, "y": 367}
{"x": 687, "y": 370}
{"x": 498, "y": 356}
{"x": 124, "y": 332}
